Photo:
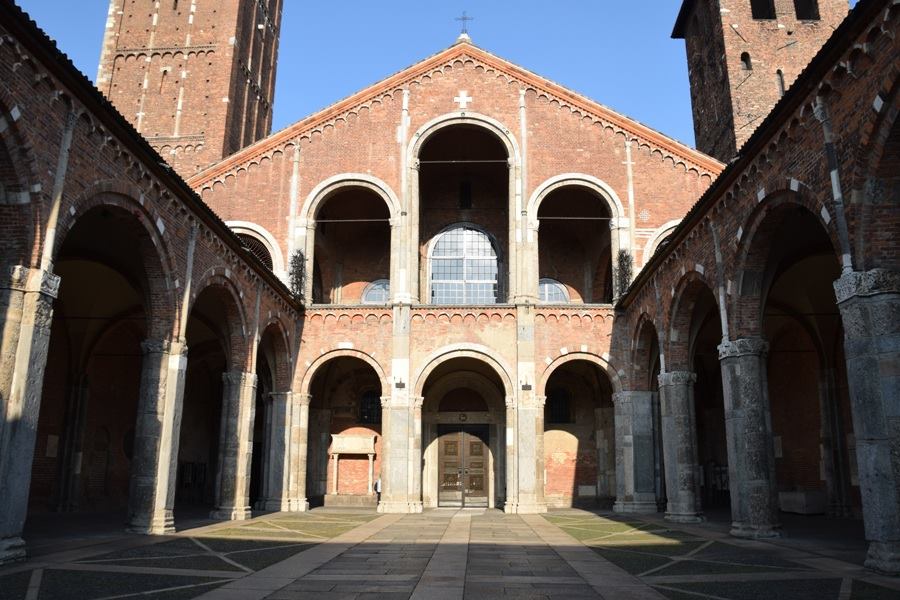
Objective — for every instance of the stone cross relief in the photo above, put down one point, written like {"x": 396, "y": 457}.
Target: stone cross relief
{"x": 463, "y": 99}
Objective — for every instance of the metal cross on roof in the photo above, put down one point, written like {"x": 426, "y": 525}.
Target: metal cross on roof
{"x": 465, "y": 22}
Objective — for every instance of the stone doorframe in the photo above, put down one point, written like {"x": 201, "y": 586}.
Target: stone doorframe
{"x": 494, "y": 417}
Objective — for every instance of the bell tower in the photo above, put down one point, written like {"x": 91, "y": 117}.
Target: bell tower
{"x": 195, "y": 77}
{"x": 742, "y": 56}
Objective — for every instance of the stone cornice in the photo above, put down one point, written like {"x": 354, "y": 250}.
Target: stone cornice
{"x": 464, "y": 52}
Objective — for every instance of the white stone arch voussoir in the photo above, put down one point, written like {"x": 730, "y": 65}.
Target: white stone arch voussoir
{"x": 328, "y": 187}
{"x": 598, "y": 186}
{"x": 474, "y": 351}
{"x": 590, "y": 357}
{"x": 265, "y": 236}
{"x": 466, "y": 118}
{"x": 656, "y": 237}
{"x": 365, "y": 357}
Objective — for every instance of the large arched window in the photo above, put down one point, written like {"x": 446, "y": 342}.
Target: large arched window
{"x": 552, "y": 292}
{"x": 464, "y": 268}
{"x": 377, "y": 292}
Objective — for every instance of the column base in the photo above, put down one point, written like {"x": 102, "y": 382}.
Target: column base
{"x": 635, "y": 507}
{"x": 273, "y": 505}
{"x": 12, "y": 549}
{"x": 522, "y": 508}
{"x": 301, "y": 505}
{"x": 401, "y": 508}
{"x": 685, "y": 517}
{"x": 231, "y": 514}
{"x": 159, "y": 524}
{"x": 884, "y": 557}
{"x": 758, "y": 532}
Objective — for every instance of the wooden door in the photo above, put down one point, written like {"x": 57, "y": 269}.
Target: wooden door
{"x": 463, "y": 466}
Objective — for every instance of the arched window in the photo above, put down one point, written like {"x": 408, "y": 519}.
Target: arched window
{"x": 464, "y": 268}
{"x": 559, "y": 406}
{"x": 779, "y": 76}
{"x": 746, "y": 63}
{"x": 370, "y": 408}
{"x": 377, "y": 292}
{"x": 257, "y": 248}
{"x": 550, "y": 291}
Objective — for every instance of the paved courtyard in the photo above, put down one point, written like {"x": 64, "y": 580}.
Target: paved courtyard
{"x": 445, "y": 554}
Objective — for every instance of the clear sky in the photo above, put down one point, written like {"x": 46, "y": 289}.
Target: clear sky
{"x": 617, "y": 52}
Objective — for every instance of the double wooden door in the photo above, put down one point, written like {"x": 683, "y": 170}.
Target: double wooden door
{"x": 463, "y": 465}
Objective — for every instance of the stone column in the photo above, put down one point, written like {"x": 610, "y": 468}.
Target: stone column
{"x": 71, "y": 446}
{"x": 26, "y": 310}
{"x": 748, "y": 429}
{"x": 679, "y": 428}
{"x": 334, "y": 473}
{"x": 870, "y": 310}
{"x": 370, "y": 489}
{"x": 530, "y": 456}
{"x": 151, "y": 490}
{"x": 300, "y": 456}
{"x": 278, "y": 447}
{"x": 512, "y": 465}
{"x": 415, "y": 455}
{"x": 235, "y": 447}
{"x": 635, "y": 485}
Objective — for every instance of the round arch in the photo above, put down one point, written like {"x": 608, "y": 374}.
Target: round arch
{"x": 752, "y": 257}
{"x": 645, "y": 333}
{"x": 596, "y": 359}
{"x": 475, "y": 381}
{"x": 591, "y": 183}
{"x": 327, "y": 188}
{"x": 469, "y": 118}
{"x": 278, "y": 353}
{"x": 310, "y": 372}
{"x": 236, "y": 328}
{"x": 658, "y": 235}
{"x": 158, "y": 262}
{"x": 474, "y": 351}
{"x": 263, "y": 235}
{"x": 678, "y": 326}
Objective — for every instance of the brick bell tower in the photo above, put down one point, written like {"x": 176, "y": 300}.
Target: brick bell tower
{"x": 195, "y": 77}
{"x": 742, "y": 56}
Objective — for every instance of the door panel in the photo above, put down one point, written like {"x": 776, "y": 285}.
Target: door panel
{"x": 462, "y": 465}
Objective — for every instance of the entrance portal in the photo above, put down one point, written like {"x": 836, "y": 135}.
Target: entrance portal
{"x": 462, "y": 465}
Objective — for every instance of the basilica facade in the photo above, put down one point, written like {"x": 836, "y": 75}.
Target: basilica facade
{"x": 464, "y": 285}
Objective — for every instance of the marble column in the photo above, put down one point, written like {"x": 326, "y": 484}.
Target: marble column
{"x": 679, "y": 433}
{"x": 635, "y": 481}
{"x": 26, "y": 309}
{"x": 300, "y": 454}
{"x": 748, "y": 431}
{"x": 235, "y": 446}
{"x": 415, "y": 455}
{"x": 151, "y": 490}
{"x": 512, "y": 464}
{"x": 870, "y": 310}
{"x": 529, "y": 438}
{"x": 277, "y": 447}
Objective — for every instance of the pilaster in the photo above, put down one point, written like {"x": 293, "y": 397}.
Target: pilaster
{"x": 278, "y": 429}
{"x": 26, "y": 306}
{"x": 299, "y": 456}
{"x": 748, "y": 431}
{"x": 236, "y": 447}
{"x": 870, "y": 310}
{"x": 635, "y": 485}
{"x": 679, "y": 428}
{"x": 151, "y": 491}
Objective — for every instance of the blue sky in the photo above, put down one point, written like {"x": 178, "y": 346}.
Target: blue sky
{"x": 616, "y": 52}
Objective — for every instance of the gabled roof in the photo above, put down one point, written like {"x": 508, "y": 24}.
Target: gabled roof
{"x": 462, "y": 49}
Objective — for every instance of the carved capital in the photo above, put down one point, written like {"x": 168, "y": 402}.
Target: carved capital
{"x": 417, "y": 402}
{"x": 743, "y": 347}
{"x": 866, "y": 283}
{"x": 385, "y": 401}
{"x": 303, "y": 399}
{"x": 239, "y": 378}
{"x": 24, "y": 279}
{"x": 677, "y": 378}
{"x": 150, "y": 346}
{"x": 540, "y": 401}
{"x": 511, "y": 402}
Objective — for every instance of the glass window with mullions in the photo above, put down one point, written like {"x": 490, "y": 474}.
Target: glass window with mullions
{"x": 464, "y": 268}
{"x": 552, "y": 292}
{"x": 377, "y": 292}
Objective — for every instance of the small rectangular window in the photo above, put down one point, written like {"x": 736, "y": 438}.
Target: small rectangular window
{"x": 762, "y": 9}
{"x": 807, "y": 10}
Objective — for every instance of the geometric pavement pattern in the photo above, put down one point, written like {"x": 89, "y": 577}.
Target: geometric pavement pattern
{"x": 177, "y": 566}
{"x": 688, "y": 565}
